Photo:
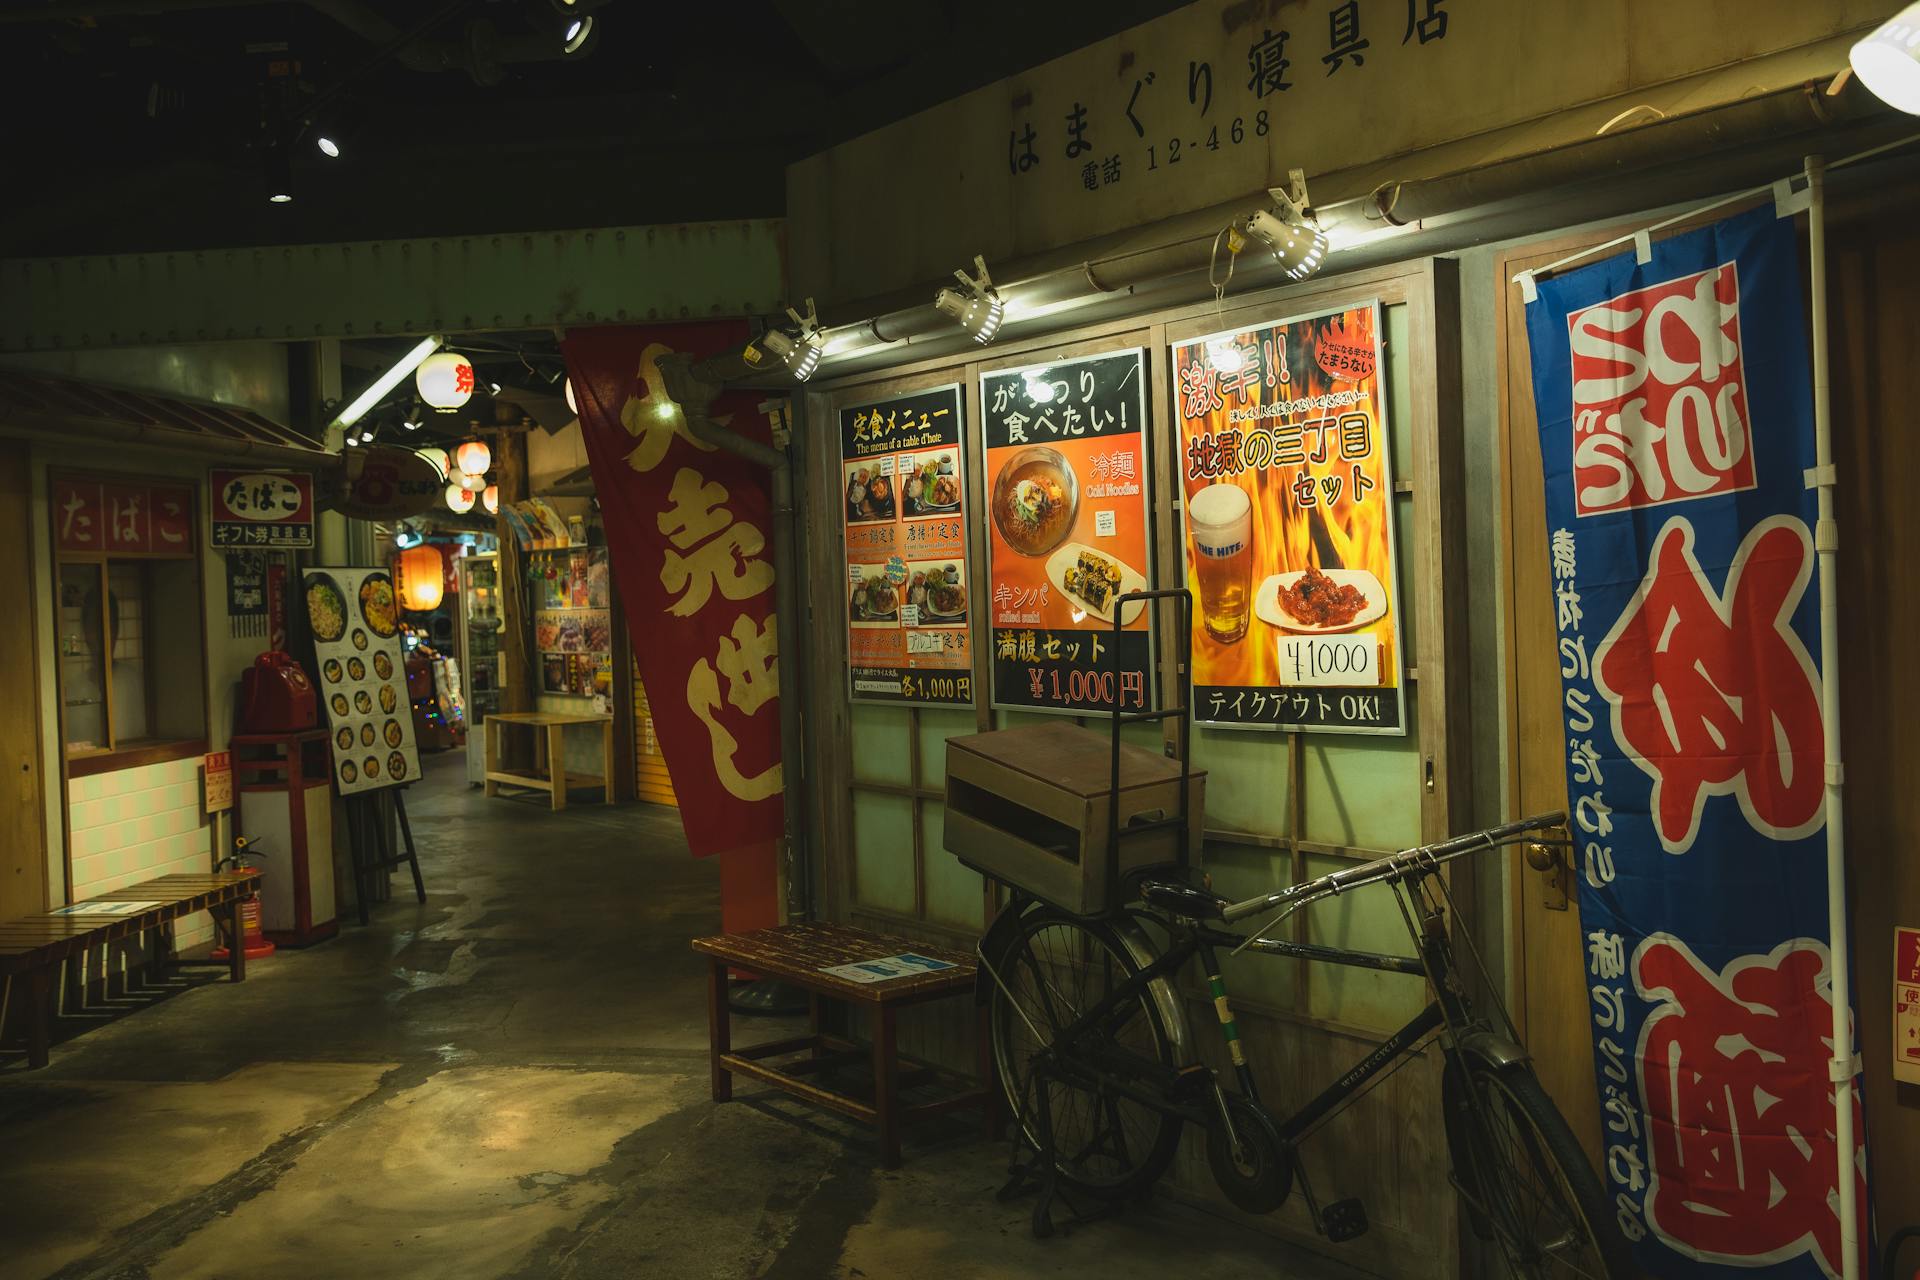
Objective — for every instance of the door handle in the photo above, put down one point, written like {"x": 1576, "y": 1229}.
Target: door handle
{"x": 1548, "y": 857}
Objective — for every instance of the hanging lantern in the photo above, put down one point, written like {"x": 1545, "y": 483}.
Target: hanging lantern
{"x": 459, "y": 499}
{"x": 474, "y": 457}
{"x": 472, "y": 482}
{"x": 573, "y": 406}
{"x": 439, "y": 458}
{"x": 444, "y": 379}
{"x": 491, "y": 498}
{"x": 422, "y": 572}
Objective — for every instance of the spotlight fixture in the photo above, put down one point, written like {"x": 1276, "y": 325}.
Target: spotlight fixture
{"x": 1888, "y": 61}
{"x": 799, "y": 349}
{"x": 578, "y": 32}
{"x": 279, "y": 176}
{"x": 979, "y": 309}
{"x": 387, "y": 381}
{"x": 493, "y": 388}
{"x": 1289, "y": 230}
{"x": 328, "y": 145}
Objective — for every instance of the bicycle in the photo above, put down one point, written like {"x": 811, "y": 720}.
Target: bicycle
{"x": 1092, "y": 1049}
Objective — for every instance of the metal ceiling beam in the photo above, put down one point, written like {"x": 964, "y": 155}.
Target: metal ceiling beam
{"x": 371, "y": 288}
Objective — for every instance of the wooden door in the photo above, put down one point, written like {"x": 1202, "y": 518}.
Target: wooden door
{"x": 23, "y": 833}
{"x": 1550, "y": 1000}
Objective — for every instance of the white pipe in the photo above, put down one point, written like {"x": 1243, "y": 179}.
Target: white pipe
{"x": 1826, "y": 543}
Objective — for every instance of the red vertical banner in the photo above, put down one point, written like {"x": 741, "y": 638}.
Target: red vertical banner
{"x": 690, "y": 531}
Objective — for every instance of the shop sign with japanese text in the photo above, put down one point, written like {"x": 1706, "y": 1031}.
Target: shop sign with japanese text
{"x": 1676, "y": 433}
{"x": 689, "y": 534}
{"x": 903, "y": 501}
{"x": 261, "y": 509}
{"x": 1906, "y": 1006}
{"x": 1288, "y": 511}
{"x": 1069, "y": 533}
{"x": 121, "y": 516}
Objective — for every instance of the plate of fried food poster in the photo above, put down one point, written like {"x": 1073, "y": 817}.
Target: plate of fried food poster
{"x": 1312, "y": 601}
{"x": 1092, "y": 580}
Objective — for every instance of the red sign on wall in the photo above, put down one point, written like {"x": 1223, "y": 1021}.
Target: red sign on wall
{"x": 122, "y": 517}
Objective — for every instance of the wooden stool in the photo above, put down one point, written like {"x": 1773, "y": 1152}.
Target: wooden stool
{"x": 797, "y": 953}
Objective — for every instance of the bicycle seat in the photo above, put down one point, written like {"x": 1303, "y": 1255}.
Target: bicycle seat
{"x": 1183, "y": 900}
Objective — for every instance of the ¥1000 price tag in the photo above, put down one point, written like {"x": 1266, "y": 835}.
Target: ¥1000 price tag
{"x": 1329, "y": 661}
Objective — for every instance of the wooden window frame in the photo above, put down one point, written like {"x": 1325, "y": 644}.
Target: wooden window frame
{"x": 153, "y": 748}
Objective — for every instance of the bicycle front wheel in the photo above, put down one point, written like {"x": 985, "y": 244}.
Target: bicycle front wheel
{"x": 1529, "y": 1189}
{"x": 1055, "y": 969}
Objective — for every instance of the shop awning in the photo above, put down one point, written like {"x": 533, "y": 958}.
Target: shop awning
{"x": 37, "y": 404}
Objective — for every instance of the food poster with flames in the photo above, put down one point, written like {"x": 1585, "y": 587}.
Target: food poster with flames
{"x": 1288, "y": 522}
{"x": 363, "y": 678}
{"x": 1069, "y": 533}
{"x": 903, "y": 499}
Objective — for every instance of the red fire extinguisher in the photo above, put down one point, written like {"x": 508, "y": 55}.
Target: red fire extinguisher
{"x": 253, "y": 941}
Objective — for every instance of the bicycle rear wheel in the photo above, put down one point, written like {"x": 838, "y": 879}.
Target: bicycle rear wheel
{"x": 1055, "y": 968}
{"x": 1526, "y": 1180}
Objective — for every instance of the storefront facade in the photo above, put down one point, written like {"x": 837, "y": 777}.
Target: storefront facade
{"x": 1063, "y": 179}
{"x": 137, "y": 642}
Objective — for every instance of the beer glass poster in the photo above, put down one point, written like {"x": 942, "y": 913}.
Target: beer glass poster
{"x": 903, "y": 495}
{"x": 1068, "y": 535}
{"x": 1288, "y": 528}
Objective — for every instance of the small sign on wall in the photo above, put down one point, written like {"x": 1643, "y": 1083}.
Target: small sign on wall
{"x": 217, "y": 766}
{"x": 1906, "y": 1005}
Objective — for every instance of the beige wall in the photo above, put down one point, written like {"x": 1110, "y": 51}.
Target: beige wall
{"x": 907, "y": 204}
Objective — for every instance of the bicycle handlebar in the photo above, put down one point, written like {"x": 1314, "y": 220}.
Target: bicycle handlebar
{"x": 1394, "y": 866}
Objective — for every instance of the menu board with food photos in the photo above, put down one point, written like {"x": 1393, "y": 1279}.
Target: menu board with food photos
{"x": 363, "y": 678}
{"x": 903, "y": 476}
{"x": 1068, "y": 533}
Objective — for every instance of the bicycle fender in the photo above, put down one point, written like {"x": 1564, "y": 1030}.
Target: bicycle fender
{"x": 993, "y": 945}
{"x": 1173, "y": 1013}
{"x": 1496, "y": 1049}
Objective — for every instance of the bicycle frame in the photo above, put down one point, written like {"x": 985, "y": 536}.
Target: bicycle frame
{"x": 1448, "y": 1007}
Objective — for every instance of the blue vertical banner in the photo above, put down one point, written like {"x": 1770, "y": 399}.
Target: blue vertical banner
{"x": 1676, "y": 430}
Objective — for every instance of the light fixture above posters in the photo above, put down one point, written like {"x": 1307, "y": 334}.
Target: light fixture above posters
{"x": 1289, "y": 530}
{"x": 903, "y": 502}
{"x": 1068, "y": 532}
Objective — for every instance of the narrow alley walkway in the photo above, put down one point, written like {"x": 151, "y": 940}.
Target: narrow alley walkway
{"x": 509, "y": 1081}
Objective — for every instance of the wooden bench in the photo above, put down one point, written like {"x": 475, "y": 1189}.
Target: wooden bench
{"x": 34, "y": 948}
{"x": 797, "y": 954}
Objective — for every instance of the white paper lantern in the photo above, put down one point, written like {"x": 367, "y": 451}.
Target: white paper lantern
{"x": 573, "y": 406}
{"x": 459, "y": 500}
{"x": 438, "y": 457}
{"x": 473, "y": 457}
{"x": 444, "y": 379}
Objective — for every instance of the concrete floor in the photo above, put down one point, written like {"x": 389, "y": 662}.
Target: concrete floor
{"x": 509, "y": 1081}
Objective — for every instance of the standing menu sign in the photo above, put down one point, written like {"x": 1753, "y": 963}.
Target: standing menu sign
{"x": 903, "y": 496}
{"x": 363, "y": 677}
{"x": 1676, "y": 433}
{"x": 1067, "y": 507}
{"x": 1289, "y": 528}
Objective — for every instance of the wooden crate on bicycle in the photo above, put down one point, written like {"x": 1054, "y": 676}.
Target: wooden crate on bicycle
{"x": 1032, "y": 807}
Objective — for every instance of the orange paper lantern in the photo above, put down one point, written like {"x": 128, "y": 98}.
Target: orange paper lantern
{"x": 421, "y": 582}
{"x": 491, "y": 496}
{"x": 474, "y": 457}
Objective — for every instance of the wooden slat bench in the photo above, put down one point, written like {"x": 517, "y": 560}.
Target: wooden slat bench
{"x": 797, "y": 953}
{"x": 33, "y": 948}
